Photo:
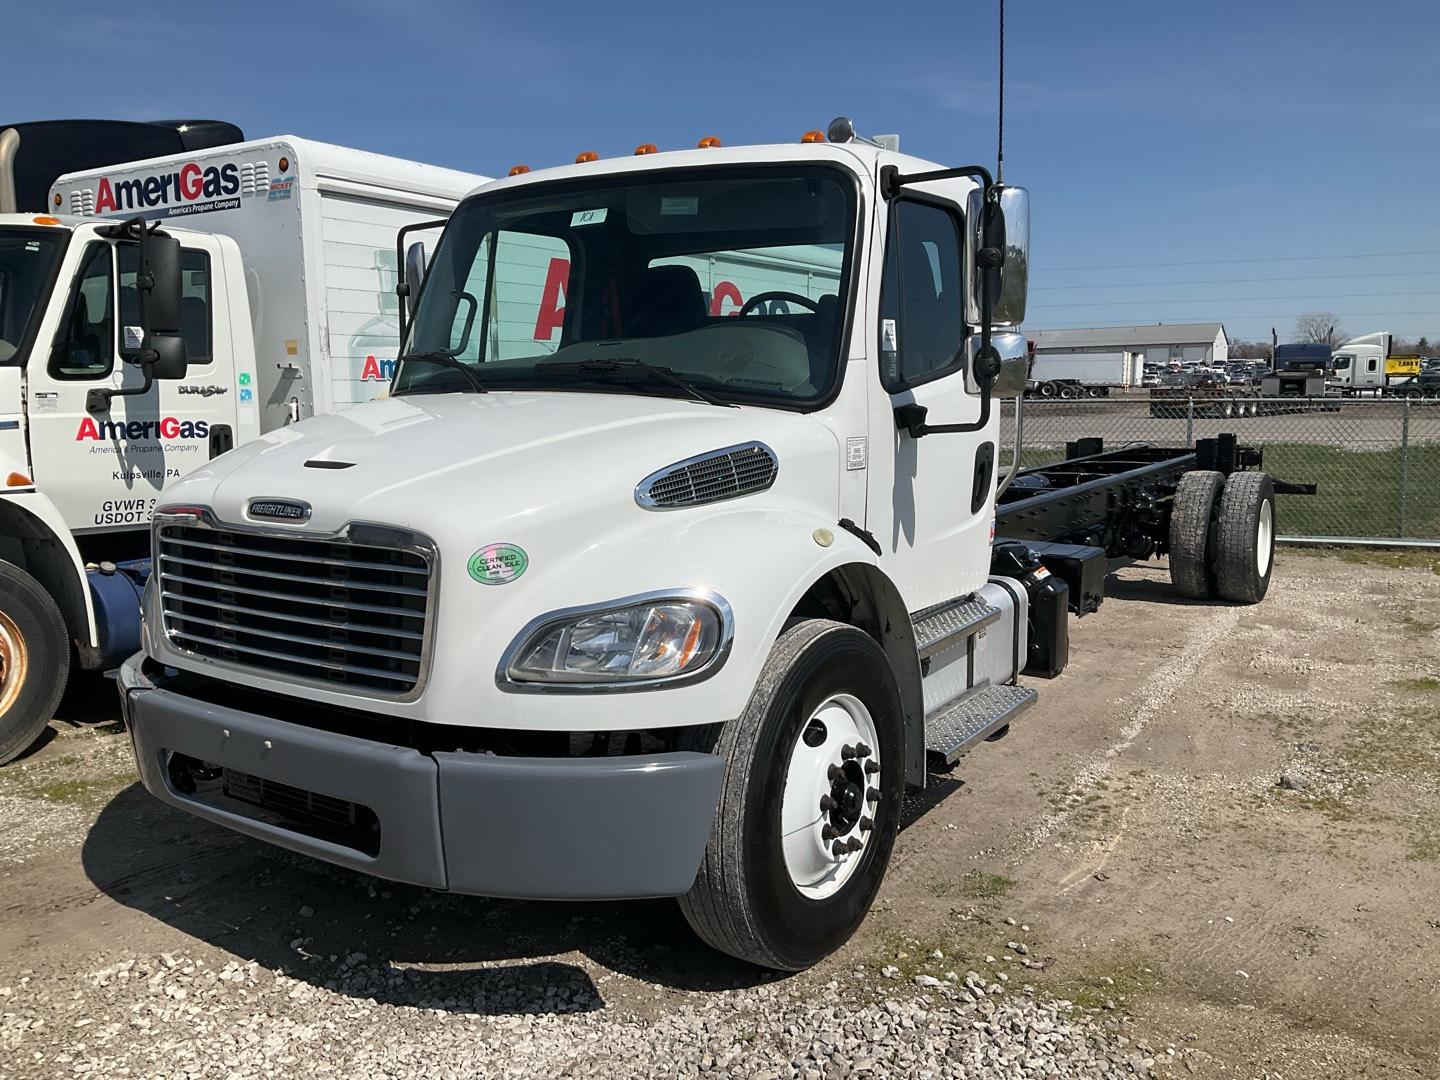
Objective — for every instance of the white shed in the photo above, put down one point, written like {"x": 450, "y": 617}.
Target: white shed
{"x": 1129, "y": 347}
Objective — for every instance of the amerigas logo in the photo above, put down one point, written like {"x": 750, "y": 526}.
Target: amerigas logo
{"x": 168, "y": 427}
{"x": 189, "y": 189}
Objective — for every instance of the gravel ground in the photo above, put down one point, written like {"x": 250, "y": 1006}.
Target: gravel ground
{"x": 1211, "y": 850}
{"x": 179, "y": 1016}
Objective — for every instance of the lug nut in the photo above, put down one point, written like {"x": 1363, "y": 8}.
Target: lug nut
{"x": 862, "y": 749}
{"x": 854, "y": 843}
{"x": 872, "y": 796}
{"x": 828, "y": 833}
{"x": 838, "y": 848}
{"x": 872, "y": 766}
{"x": 834, "y": 773}
{"x": 826, "y": 803}
{"x": 847, "y": 752}
{"x": 866, "y": 824}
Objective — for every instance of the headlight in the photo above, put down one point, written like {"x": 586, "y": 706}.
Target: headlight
{"x": 654, "y": 639}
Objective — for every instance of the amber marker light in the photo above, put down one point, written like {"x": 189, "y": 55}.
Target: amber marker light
{"x": 517, "y": 170}
{"x": 585, "y": 156}
{"x": 812, "y": 136}
{"x": 16, "y": 479}
{"x": 709, "y": 142}
{"x": 46, "y": 219}
{"x": 646, "y": 148}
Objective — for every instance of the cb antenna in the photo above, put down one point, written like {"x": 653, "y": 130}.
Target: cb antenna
{"x": 1000, "y": 139}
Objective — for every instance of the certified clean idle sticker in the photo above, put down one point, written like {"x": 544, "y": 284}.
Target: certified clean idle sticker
{"x": 498, "y": 564}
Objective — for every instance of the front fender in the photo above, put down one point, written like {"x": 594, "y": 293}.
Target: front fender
{"x": 51, "y": 557}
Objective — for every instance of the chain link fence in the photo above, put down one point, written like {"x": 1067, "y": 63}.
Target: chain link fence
{"x": 1376, "y": 461}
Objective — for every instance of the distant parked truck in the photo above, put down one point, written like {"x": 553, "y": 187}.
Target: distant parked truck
{"x": 1367, "y": 364}
{"x": 1297, "y": 370}
{"x": 1071, "y": 375}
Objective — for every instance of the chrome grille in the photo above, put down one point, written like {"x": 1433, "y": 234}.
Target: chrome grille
{"x": 721, "y": 474}
{"x": 327, "y": 610}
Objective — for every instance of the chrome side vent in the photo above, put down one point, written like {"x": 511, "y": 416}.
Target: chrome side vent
{"x": 82, "y": 202}
{"x": 711, "y": 477}
{"x": 254, "y": 177}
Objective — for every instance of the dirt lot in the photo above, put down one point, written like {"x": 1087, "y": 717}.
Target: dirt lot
{"x": 1130, "y": 849}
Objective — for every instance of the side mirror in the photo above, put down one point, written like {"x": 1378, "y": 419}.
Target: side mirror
{"x": 159, "y": 285}
{"x": 1002, "y": 226}
{"x": 170, "y": 360}
{"x": 414, "y": 275}
{"x": 1015, "y": 277}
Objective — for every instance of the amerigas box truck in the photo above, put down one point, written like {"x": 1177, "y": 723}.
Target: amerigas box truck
{"x": 677, "y": 602}
{"x": 286, "y": 308}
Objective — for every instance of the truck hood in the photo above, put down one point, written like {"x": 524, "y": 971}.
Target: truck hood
{"x": 503, "y": 464}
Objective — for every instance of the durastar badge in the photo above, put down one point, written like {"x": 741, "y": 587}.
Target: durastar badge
{"x": 498, "y": 564}
{"x": 291, "y": 510}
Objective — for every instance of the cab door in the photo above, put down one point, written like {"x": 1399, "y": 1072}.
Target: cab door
{"x": 105, "y": 467}
{"x": 933, "y": 519}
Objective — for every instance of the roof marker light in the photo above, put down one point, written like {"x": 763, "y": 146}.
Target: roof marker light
{"x": 645, "y": 148}
{"x": 516, "y": 170}
{"x": 813, "y": 136}
{"x": 586, "y": 155}
{"x": 709, "y": 142}
{"x": 57, "y": 198}
{"x": 46, "y": 219}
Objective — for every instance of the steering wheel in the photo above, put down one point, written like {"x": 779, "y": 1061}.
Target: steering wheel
{"x": 764, "y": 297}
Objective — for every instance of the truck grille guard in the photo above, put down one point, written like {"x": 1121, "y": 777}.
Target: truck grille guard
{"x": 351, "y": 611}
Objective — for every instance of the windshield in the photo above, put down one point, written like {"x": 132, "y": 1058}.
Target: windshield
{"x": 27, "y": 257}
{"x": 1342, "y": 362}
{"x": 727, "y": 283}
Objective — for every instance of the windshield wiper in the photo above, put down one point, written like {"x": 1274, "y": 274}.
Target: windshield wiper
{"x": 448, "y": 361}
{"x": 603, "y": 365}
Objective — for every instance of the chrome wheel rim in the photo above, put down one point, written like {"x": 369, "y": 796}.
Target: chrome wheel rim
{"x": 832, "y": 793}
{"x": 14, "y": 662}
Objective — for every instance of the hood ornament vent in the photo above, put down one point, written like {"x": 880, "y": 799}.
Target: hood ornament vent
{"x": 710, "y": 477}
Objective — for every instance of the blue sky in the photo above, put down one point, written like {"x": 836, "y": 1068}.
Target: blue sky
{"x": 1273, "y": 156}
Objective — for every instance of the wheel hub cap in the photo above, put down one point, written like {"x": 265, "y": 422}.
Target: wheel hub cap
{"x": 832, "y": 792}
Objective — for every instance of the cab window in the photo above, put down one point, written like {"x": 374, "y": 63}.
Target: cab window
{"x": 85, "y": 345}
{"x": 922, "y": 313}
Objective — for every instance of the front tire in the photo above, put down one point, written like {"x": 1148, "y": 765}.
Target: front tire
{"x": 810, "y": 807}
{"x": 34, "y": 660}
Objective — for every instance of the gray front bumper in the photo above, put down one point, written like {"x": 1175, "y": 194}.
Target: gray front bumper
{"x": 530, "y": 828}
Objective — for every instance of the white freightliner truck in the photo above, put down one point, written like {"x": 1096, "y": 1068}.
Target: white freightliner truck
{"x": 284, "y": 252}
{"x": 680, "y": 607}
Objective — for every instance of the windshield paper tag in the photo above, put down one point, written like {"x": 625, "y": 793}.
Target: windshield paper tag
{"x": 133, "y": 337}
{"x": 687, "y": 205}
{"x": 887, "y": 335}
{"x": 587, "y": 217}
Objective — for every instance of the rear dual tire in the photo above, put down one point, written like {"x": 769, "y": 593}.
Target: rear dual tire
{"x": 1222, "y": 536}
{"x": 764, "y": 893}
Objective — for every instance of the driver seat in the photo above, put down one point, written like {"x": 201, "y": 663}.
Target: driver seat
{"x": 668, "y": 300}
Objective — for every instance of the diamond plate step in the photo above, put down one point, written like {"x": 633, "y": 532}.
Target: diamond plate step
{"x": 943, "y": 625}
{"x": 956, "y": 727}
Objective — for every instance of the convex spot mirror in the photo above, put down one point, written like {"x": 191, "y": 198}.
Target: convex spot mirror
{"x": 1014, "y": 353}
{"x": 1005, "y": 225}
{"x": 170, "y": 359}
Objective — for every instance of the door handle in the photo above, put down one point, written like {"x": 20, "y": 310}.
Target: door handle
{"x": 222, "y": 438}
